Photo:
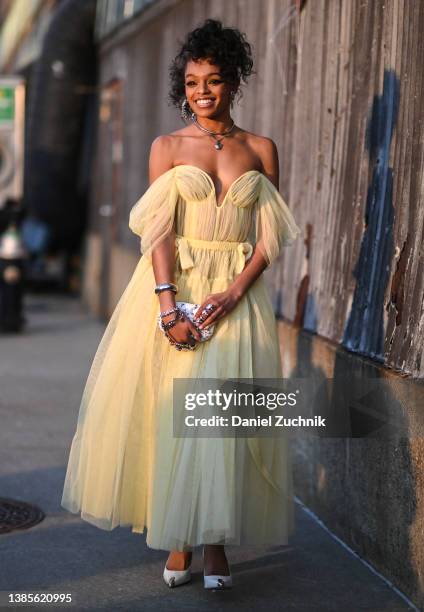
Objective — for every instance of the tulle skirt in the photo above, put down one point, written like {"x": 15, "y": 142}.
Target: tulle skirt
{"x": 126, "y": 467}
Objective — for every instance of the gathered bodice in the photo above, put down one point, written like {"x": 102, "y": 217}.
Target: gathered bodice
{"x": 184, "y": 199}
{"x": 198, "y": 214}
{"x": 203, "y": 186}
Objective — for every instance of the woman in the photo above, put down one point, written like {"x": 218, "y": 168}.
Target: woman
{"x": 213, "y": 193}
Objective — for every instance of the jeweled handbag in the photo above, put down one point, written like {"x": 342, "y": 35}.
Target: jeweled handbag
{"x": 189, "y": 310}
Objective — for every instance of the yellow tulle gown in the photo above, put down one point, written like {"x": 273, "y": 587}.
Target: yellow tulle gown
{"x": 125, "y": 465}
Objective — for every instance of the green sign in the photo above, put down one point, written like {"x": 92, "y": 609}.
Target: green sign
{"x": 7, "y": 104}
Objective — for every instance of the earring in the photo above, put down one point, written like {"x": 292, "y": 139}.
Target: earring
{"x": 186, "y": 112}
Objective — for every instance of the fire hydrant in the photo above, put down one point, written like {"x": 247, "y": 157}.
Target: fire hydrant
{"x": 12, "y": 271}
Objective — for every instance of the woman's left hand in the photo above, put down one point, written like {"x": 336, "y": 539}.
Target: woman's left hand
{"x": 223, "y": 304}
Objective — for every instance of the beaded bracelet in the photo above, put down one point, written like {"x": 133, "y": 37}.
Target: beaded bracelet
{"x": 170, "y": 324}
{"x": 179, "y": 316}
{"x": 180, "y": 345}
{"x": 167, "y": 312}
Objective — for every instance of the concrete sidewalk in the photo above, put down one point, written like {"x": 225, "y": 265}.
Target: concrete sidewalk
{"x": 42, "y": 374}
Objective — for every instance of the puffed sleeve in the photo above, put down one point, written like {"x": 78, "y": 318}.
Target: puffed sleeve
{"x": 152, "y": 216}
{"x": 275, "y": 223}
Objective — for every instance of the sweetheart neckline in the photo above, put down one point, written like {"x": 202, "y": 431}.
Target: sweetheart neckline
{"x": 217, "y": 206}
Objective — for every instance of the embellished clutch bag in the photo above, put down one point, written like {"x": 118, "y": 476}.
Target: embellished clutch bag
{"x": 189, "y": 311}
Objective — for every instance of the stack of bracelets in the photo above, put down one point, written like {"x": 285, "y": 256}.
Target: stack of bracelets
{"x": 179, "y": 316}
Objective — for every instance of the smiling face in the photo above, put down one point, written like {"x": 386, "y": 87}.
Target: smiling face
{"x": 206, "y": 91}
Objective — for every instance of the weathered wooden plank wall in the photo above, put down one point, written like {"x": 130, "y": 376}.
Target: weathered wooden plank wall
{"x": 356, "y": 176}
{"x": 338, "y": 87}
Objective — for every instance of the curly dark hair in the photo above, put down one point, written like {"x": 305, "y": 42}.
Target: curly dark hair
{"x": 225, "y": 47}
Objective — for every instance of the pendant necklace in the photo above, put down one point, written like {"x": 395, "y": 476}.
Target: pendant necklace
{"x": 218, "y": 141}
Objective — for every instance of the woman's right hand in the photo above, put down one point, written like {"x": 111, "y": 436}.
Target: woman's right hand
{"x": 182, "y": 330}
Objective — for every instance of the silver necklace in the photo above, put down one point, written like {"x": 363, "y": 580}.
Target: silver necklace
{"x": 218, "y": 142}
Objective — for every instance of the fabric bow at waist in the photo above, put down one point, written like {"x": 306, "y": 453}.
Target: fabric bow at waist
{"x": 244, "y": 250}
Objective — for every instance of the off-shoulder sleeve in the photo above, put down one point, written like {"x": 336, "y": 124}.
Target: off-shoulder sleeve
{"x": 152, "y": 216}
{"x": 275, "y": 223}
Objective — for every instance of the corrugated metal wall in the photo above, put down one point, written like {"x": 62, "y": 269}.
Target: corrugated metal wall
{"x": 338, "y": 87}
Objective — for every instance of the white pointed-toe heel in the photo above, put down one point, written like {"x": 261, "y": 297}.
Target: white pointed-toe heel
{"x": 215, "y": 581}
{"x": 174, "y": 578}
